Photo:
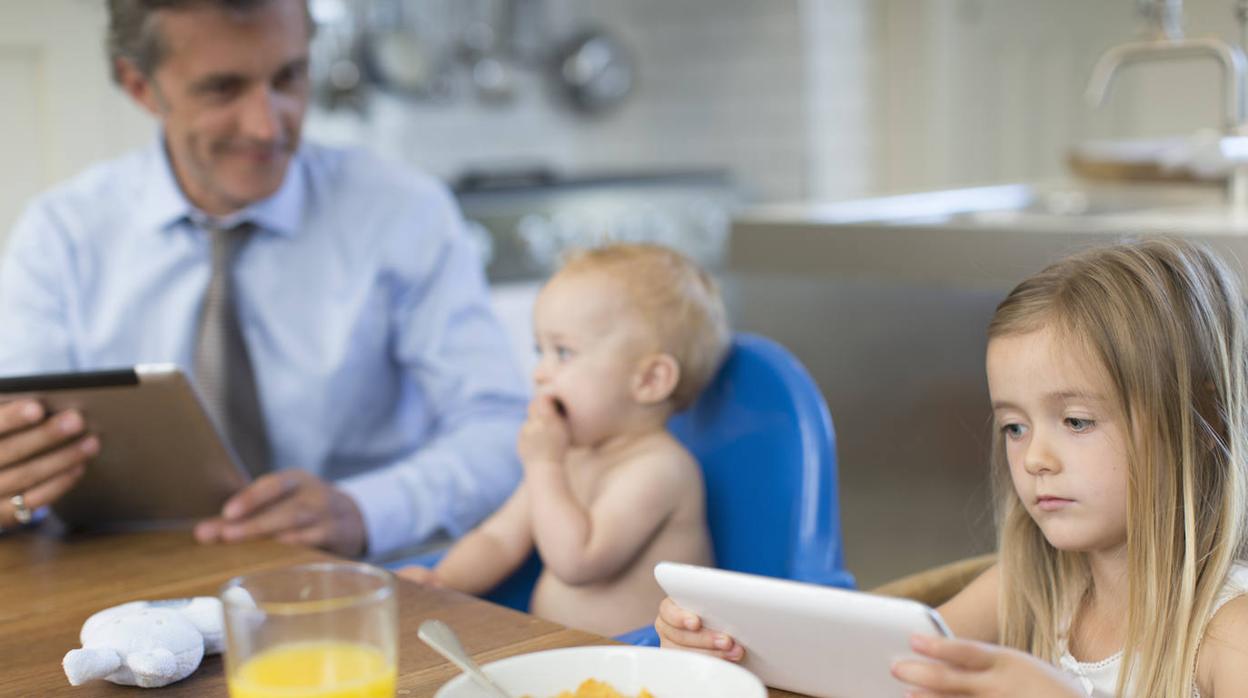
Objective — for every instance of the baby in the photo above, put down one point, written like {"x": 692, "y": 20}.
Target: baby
{"x": 626, "y": 335}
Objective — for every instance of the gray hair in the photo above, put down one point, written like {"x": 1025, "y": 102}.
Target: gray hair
{"x": 132, "y": 32}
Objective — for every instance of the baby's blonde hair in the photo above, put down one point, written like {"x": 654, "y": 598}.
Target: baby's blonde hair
{"x": 1165, "y": 319}
{"x": 677, "y": 300}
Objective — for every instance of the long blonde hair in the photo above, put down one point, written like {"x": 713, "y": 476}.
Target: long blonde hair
{"x": 1166, "y": 319}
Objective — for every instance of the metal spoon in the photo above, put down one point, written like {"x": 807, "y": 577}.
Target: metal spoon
{"x": 443, "y": 640}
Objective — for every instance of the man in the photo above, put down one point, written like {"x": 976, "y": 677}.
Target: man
{"x": 375, "y": 400}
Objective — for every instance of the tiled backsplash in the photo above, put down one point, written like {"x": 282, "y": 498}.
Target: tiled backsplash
{"x": 720, "y": 83}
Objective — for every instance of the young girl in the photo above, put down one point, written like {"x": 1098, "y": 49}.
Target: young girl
{"x": 1120, "y": 398}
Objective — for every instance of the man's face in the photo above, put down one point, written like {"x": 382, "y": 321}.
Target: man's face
{"x": 231, "y": 92}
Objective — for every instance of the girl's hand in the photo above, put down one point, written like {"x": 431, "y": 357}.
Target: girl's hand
{"x": 968, "y": 668}
{"x": 421, "y": 575}
{"x": 544, "y": 437}
{"x": 682, "y": 630}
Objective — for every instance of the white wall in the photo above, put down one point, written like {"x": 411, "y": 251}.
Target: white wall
{"x": 58, "y": 111}
{"x": 841, "y": 137}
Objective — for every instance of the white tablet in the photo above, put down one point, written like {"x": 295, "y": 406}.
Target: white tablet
{"x": 161, "y": 461}
{"x": 821, "y": 641}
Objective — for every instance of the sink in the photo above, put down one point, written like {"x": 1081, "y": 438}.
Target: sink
{"x": 1060, "y": 206}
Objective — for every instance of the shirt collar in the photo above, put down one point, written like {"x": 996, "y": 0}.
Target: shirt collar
{"x": 164, "y": 206}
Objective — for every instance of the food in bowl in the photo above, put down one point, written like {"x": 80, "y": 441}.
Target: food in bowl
{"x": 591, "y": 688}
{"x": 627, "y": 670}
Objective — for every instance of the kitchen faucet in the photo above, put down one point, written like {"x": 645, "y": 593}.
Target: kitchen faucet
{"x": 1168, "y": 43}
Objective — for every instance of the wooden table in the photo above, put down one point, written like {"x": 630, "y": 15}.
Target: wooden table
{"x": 50, "y": 585}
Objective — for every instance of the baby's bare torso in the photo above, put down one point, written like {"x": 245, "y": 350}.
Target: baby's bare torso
{"x": 630, "y": 599}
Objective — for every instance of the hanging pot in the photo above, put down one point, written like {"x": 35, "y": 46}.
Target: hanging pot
{"x": 595, "y": 71}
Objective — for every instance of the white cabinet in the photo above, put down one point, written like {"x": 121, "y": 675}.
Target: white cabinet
{"x": 59, "y": 111}
{"x": 977, "y": 91}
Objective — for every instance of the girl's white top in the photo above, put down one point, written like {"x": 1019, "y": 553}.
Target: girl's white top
{"x": 1100, "y": 679}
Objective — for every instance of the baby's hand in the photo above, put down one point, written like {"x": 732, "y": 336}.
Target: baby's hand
{"x": 967, "y": 668}
{"x": 421, "y": 575}
{"x": 682, "y": 630}
{"x": 544, "y": 437}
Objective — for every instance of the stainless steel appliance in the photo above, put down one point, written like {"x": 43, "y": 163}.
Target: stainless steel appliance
{"x": 524, "y": 221}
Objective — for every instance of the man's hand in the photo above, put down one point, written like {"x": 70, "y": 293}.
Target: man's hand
{"x": 292, "y": 506}
{"x": 968, "y": 668}
{"x": 544, "y": 435}
{"x": 41, "y": 458}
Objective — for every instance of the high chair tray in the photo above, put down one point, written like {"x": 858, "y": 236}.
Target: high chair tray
{"x": 821, "y": 641}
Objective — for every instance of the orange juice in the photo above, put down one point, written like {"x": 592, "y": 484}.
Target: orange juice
{"x": 315, "y": 670}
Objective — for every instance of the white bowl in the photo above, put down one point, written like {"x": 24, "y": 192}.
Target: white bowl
{"x": 665, "y": 673}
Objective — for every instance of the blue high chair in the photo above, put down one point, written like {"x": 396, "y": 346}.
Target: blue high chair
{"x": 762, "y": 432}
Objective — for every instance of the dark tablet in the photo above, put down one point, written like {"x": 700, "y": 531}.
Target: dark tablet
{"x": 161, "y": 461}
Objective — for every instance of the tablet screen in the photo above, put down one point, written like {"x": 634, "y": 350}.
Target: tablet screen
{"x": 161, "y": 461}
{"x": 821, "y": 641}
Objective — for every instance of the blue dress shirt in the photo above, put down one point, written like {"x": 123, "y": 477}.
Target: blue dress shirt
{"x": 378, "y": 362}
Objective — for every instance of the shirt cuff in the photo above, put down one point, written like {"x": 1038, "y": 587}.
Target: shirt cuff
{"x": 396, "y": 514}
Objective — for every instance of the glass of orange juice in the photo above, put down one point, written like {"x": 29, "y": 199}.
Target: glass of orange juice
{"x": 325, "y": 630}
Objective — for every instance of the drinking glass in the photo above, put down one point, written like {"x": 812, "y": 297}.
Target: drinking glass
{"x": 324, "y": 630}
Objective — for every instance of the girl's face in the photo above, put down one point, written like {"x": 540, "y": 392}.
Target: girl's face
{"x": 1065, "y": 440}
{"x": 588, "y": 354}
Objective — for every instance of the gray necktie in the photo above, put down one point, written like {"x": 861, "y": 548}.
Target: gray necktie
{"x": 222, "y": 365}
